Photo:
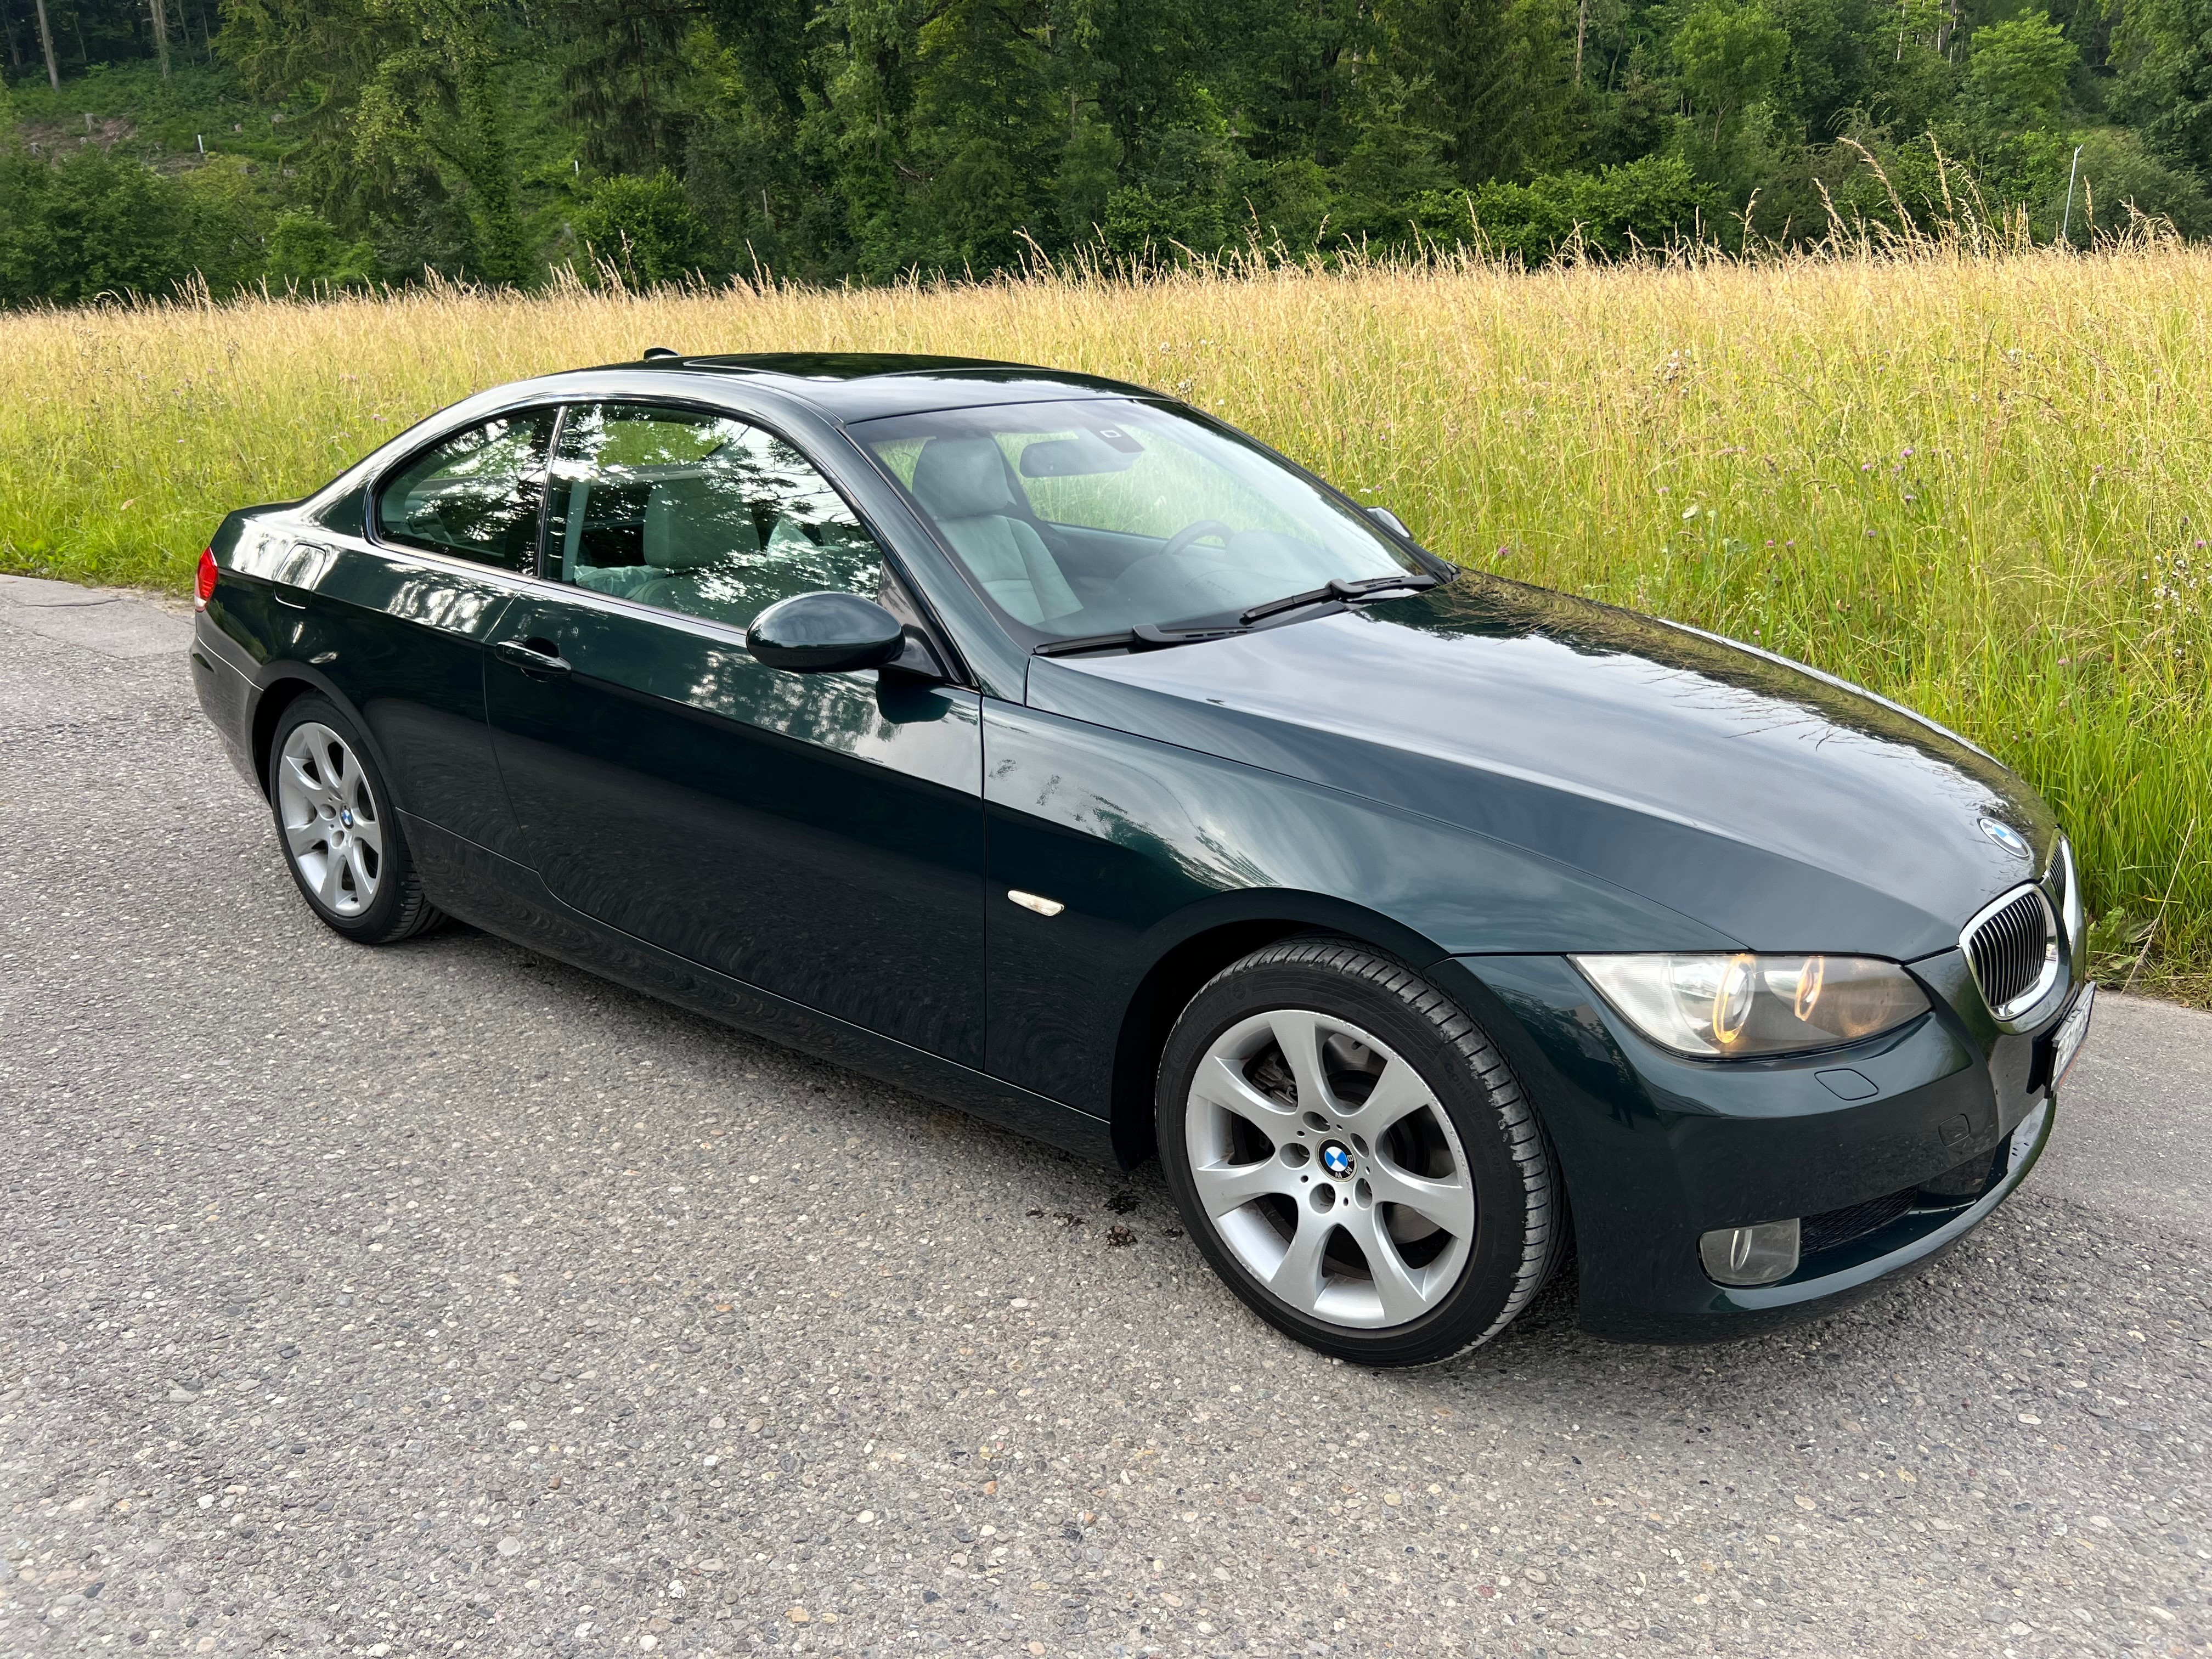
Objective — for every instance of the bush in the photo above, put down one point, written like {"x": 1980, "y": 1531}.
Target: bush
{"x": 1653, "y": 201}
{"x": 2118, "y": 171}
{"x": 94, "y": 223}
{"x": 305, "y": 252}
{"x": 645, "y": 230}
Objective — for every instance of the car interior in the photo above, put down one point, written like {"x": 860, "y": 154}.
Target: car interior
{"x": 1081, "y": 531}
{"x": 683, "y": 541}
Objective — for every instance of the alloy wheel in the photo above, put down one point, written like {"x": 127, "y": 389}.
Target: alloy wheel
{"x": 1328, "y": 1169}
{"x": 333, "y": 831}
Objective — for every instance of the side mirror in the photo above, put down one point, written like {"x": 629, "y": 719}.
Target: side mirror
{"x": 825, "y": 634}
{"x": 1390, "y": 521}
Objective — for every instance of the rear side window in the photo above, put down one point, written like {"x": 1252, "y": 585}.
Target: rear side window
{"x": 475, "y": 495}
{"x": 697, "y": 513}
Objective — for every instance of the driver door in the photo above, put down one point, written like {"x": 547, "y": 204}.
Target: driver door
{"x": 818, "y": 836}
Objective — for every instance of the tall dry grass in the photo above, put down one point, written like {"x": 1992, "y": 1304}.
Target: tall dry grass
{"x": 1982, "y": 486}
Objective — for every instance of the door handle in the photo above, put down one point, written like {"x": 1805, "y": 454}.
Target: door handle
{"x": 287, "y": 601}
{"x": 539, "y": 658}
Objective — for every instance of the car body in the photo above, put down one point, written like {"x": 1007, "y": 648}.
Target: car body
{"x": 1492, "y": 784}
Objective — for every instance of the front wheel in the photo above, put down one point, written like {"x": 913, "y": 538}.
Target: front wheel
{"x": 1354, "y": 1156}
{"x": 341, "y": 840}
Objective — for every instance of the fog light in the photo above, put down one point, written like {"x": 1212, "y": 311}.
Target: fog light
{"x": 1751, "y": 1255}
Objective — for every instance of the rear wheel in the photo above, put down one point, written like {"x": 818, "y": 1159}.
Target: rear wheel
{"x": 341, "y": 840}
{"x": 1354, "y": 1156}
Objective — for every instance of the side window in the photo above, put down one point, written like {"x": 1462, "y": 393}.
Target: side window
{"x": 699, "y": 513}
{"x": 476, "y": 494}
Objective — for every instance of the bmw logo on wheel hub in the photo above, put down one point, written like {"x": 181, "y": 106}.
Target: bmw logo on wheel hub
{"x": 1336, "y": 1158}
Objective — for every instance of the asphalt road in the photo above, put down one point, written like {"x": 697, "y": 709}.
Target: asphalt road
{"x": 444, "y": 1300}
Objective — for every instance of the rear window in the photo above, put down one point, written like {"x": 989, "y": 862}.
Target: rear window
{"x": 474, "y": 494}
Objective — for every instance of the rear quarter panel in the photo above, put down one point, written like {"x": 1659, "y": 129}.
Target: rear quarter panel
{"x": 394, "y": 637}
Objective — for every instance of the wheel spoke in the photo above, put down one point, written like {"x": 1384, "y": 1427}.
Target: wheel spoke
{"x": 1448, "y": 1204}
{"x": 1400, "y": 1296}
{"x": 1299, "y": 1035}
{"x": 328, "y": 890}
{"x": 310, "y": 785}
{"x": 1396, "y": 1092}
{"x": 364, "y": 885}
{"x": 1225, "y": 1187}
{"x": 368, "y": 832}
{"x": 304, "y": 838}
{"x": 1221, "y": 1082}
{"x": 1298, "y": 1279}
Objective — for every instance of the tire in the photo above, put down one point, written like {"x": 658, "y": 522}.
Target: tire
{"x": 336, "y": 828}
{"x": 1302, "y": 1207}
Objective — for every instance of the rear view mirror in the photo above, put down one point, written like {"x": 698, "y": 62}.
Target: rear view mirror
{"x": 1074, "y": 457}
{"x": 825, "y": 634}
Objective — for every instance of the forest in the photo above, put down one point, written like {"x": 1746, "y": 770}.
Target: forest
{"x": 148, "y": 144}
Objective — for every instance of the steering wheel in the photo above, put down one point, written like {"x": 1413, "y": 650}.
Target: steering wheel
{"x": 1190, "y": 533}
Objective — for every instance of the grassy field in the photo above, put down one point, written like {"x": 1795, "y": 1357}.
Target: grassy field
{"x": 1983, "y": 487}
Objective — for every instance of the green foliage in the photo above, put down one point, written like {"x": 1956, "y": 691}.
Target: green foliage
{"x": 305, "y": 253}
{"x": 2018, "y": 76}
{"x": 95, "y": 223}
{"x": 160, "y": 119}
{"x": 833, "y": 140}
{"x": 408, "y": 124}
{"x": 1489, "y": 78}
{"x": 1654, "y": 201}
{"x": 643, "y": 230}
{"x": 1731, "y": 53}
{"x": 2118, "y": 173}
{"x": 2164, "y": 52}
{"x": 2118, "y": 940}
{"x": 622, "y": 79}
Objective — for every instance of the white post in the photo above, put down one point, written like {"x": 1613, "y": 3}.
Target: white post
{"x": 2066, "y": 230}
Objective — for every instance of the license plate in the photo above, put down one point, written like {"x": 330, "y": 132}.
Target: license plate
{"x": 2068, "y": 1045}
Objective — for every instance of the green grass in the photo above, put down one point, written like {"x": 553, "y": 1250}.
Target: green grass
{"x": 1982, "y": 487}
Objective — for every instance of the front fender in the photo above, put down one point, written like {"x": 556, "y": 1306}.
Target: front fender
{"x": 1147, "y": 848}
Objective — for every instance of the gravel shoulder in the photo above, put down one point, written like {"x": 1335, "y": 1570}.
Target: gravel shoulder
{"x": 445, "y": 1300}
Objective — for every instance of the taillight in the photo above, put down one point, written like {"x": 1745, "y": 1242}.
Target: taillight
{"x": 204, "y": 583}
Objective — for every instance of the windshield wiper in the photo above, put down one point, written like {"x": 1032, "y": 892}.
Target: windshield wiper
{"x": 1146, "y": 638}
{"x": 1338, "y": 588}
{"x": 1149, "y": 637}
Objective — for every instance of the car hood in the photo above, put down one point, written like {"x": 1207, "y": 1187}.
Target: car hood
{"x": 1761, "y": 799}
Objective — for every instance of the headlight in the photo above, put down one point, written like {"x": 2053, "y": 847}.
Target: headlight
{"x": 1718, "y": 1005}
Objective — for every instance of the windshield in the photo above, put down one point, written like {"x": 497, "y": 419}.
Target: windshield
{"x": 1089, "y": 518}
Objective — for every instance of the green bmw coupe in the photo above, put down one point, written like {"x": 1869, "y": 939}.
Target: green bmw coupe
{"x": 1045, "y": 746}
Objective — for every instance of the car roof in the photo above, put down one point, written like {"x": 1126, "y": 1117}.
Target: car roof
{"x": 865, "y": 385}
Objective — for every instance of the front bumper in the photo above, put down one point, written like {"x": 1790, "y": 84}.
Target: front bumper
{"x": 1945, "y": 1118}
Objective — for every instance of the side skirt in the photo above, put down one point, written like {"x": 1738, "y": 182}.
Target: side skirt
{"x": 485, "y": 890}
